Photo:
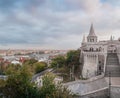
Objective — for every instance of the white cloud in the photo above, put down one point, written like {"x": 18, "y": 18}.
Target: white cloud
{"x": 48, "y": 28}
{"x": 87, "y": 5}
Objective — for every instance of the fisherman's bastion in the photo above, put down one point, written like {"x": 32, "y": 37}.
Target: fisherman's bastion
{"x": 100, "y": 57}
{"x": 101, "y": 68}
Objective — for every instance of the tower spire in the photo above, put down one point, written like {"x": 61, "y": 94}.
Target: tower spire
{"x": 111, "y": 38}
{"x": 91, "y": 36}
{"x": 91, "y": 33}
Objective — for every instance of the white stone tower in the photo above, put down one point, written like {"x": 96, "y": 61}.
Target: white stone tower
{"x": 89, "y": 53}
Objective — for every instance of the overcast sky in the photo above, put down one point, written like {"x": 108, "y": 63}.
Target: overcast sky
{"x": 56, "y": 24}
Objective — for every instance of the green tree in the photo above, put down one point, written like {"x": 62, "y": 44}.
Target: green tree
{"x": 30, "y": 62}
{"x": 48, "y": 87}
{"x": 68, "y": 67}
{"x": 40, "y": 66}
{"x": 73, "y": 62}
{"x": 52, "y": 90}
{"x": 73, "y": 58}
{"x": 12, "y": 69}
{"x": 59, "y": 61}
{"x": 1, "y": 68}
{"x": 18, "y": 85}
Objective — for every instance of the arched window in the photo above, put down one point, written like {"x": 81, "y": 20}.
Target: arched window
{"x": 91, "y": 49}
{"x": 97, "y": 49}
{"x": 100, "y": 48}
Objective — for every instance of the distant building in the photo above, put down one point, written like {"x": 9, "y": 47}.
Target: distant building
{"x": 15, "y": 62}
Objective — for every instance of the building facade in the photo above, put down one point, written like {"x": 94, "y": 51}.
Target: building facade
{"x": 100, "y": 57}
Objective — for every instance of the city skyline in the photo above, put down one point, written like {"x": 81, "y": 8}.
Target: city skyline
{"x": 56, "y": 24}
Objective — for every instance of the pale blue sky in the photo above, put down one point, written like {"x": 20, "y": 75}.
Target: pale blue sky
{"x": 56, "y": 24}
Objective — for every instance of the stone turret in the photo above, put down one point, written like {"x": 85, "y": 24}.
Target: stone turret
{"x": 111, "y": 38}
{"x": 92, "y": 36}
{"x": 83, "y": 41}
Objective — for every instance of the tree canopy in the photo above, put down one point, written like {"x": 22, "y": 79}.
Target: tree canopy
{"x": 68, "y": 64}
{"x": 59, "y": 61}
{"x": 50, "y": 90}
{"x": 19, "y": 85}
{"x": 39, "y": 66}
{"x": 73, "y": 58}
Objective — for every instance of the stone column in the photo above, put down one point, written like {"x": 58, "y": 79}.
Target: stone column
{"x": 96, "y": 63}
{"x": 105, "y": 58}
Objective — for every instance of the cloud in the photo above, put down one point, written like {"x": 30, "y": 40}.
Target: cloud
{"x": 9, "y": 5}
{"x": 86, "y": 5}
{"x": 55, "y": 24}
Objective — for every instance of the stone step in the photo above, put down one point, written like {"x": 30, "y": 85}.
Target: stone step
{"x": 112, "y": 65}
{"x": 113, "y": 62}
{"x": 112, "y": 59}
{"x": 115, "y": 59}
{"x": 113, "y": 75}
{"x": 113, "y": 70}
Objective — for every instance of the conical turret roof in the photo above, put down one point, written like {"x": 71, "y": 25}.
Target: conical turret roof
{"x": 91, "y": 33}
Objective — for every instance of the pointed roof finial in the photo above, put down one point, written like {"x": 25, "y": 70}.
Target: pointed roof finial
{"x": 91, "y": 33}
{"x": 83, "y": 39}
{"x": 111, "y": 38}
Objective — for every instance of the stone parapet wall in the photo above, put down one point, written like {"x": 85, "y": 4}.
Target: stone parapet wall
{"x": 83, "y": 87}
{"x": 85, "y": 81}
{"x": 101, "y": 93}
{"x": 96, "y": 87}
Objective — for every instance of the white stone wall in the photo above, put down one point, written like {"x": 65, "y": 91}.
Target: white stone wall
{"x": 118, "y": 53}
{"x": 90, "y": 65}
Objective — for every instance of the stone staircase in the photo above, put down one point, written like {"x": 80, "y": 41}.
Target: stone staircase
{"x": 112, "y": 65}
